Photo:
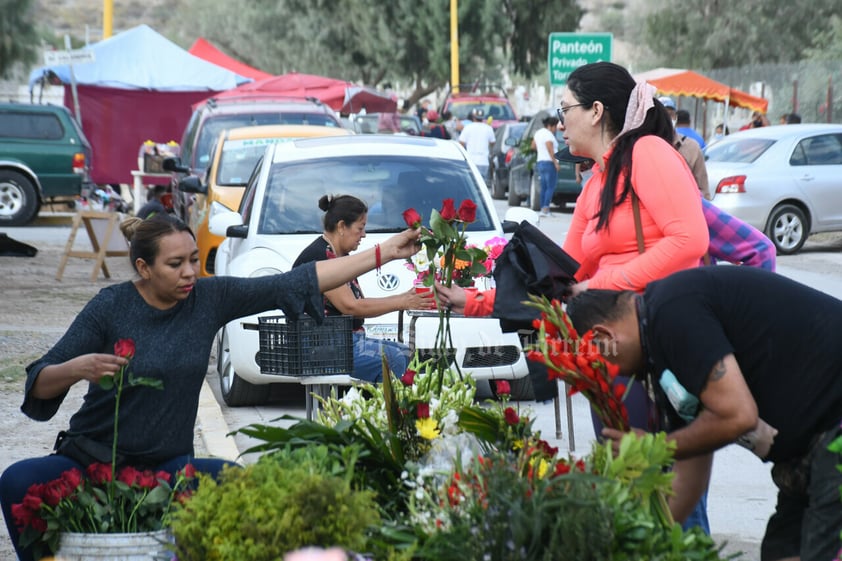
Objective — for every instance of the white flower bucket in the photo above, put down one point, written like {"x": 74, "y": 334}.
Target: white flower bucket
{"x": 141, "y": 546}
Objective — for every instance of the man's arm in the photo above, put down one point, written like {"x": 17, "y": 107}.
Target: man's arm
{"x": 728, "y": 411}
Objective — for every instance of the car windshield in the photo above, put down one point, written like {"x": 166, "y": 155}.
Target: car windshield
{"x": 239, "y": 157}
{"x": 499, "y": 110}
{"x": 389, "y": 185}
{"x": 214, "y": 125}
{"x": 742, "y": 151}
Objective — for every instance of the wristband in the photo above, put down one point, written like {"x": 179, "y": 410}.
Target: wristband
{"x": 377, "y": 260}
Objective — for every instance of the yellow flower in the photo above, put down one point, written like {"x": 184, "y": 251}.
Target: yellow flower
{"x": 427, "y": 428}
{"x": 541, "y": 468}
{"x": 517, "y": 444}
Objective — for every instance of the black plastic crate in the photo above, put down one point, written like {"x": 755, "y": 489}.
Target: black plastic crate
{"x": 303, "y": 348}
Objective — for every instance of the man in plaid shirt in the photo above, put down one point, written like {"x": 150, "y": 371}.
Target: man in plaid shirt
{"x": 734, "y": 241}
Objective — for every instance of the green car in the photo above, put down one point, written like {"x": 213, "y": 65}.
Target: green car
{"x": 43, "y": 155}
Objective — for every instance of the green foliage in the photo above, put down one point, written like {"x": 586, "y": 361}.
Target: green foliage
{"x": 18, "y": 39}
{"x": 720, "y": 34}
{"x": 287, "y": 500}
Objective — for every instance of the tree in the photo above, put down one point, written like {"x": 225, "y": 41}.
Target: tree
{"x": 377, "y": 41}
{"x": 18, "y": 39}
{"x": 720, "y": 33}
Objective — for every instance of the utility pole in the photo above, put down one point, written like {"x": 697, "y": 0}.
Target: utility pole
{"x": 107, "y": 18}
{"x": 454, "y": 46}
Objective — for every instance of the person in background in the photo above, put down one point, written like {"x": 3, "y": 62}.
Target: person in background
{"x": 434, "y": 128}
{"x": 719, "y": 132}
{"x": 758, "y": 120}
{"x": 683, "y": 127}
{"x": 726, "y": 335}
{"x": 452, "y": 124}
{"x": 478, "y": 137}
{"x": 172, "y": 316}
{"x": 793, "y": 119}
{"x": 784, "y": 118}
{"x": 689, "y": 150}
{"x": 344, "y": 228}
{"x": 545, "y": 144}
{"x": 156, "y": 202}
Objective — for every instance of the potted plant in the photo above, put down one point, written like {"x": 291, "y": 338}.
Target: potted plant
{"x": 105, "y": 512}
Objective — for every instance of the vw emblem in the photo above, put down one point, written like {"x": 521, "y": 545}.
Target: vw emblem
{"x": 388, "y": 282}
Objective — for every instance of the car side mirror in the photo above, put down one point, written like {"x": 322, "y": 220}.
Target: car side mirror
{"x": 192, "y": 184}
{"x": 174, "y": 164}
{"x": 228, "y": 223}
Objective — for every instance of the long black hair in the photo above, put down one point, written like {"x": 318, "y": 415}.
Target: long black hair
{"x": 144, "y": 236}
{"x": 341, "y": 208}
{"x": 612, "y": 85}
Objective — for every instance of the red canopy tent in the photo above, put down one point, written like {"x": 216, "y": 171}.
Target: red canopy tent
{"x": 339, "y": 95}
{"x": 682, "y": 82}
{"x": 204, "y": 49}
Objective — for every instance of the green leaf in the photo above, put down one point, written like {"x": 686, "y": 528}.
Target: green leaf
{"x": 106, "y": 382}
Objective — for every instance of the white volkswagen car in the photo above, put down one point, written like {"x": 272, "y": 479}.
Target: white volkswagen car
{"x": 279, "y": 217}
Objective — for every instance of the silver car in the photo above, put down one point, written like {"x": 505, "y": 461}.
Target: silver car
{"x": 784, "y": 180}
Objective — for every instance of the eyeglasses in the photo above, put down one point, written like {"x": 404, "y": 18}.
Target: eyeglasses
{"x": 562, "y": 110}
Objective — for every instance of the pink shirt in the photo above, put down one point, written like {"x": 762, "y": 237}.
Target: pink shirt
{"x": 674, "y": 229}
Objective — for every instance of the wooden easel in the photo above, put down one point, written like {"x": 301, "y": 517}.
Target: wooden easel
{"x": 105, "y": 237}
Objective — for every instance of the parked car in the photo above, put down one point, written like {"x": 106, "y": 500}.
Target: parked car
{"x": 508, "y": 136}
{"x": 214, "y": 115}
{"x": 785, "y": 180}
{"x": 44, "y": 155}
{"x": 279, "y": 217}
{"x": 387, "y": 123}
{"x": 526, "y": 185}
{"x": 221, "y": 187}
{"x": 488, "y": 100}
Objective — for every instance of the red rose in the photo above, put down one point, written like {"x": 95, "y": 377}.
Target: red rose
{"x": 128, "y": 475}
{"x": 189, "y": 471}
{"x": 147, "y": 480}
{"x": 54, "y": 492}
{"x": 412, "y": 218}
{"x": 503, "y": 387}
{"x": 467, "y": 211}
{"x": 448, "y": 210}
{"x": 99, "y": 473}
{"x": 408, "y": 377}
{"x": 511, "y": 416}
{"x": 22, "y": 515}
{"x": 72, "y": 477}
{"x": 163, "y": 476}
{"x": 124, "y": 348}
{"x": 423, "y": 410}
{"x": 39, "y": 524}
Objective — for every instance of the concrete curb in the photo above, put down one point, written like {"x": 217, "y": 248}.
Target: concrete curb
{"x": 214, "y": 430}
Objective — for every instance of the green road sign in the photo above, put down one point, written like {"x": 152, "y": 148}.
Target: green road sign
{"x": 568, "y": 51}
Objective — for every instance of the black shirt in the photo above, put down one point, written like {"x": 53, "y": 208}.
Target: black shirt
{"x": 320, "y": 250}
{"x": 786, "y": 337}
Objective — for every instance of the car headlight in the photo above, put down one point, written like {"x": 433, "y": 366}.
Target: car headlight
{"x": 265, "y": 271}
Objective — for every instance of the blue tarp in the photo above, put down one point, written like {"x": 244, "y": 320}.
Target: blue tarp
{"x": 142, "y": 59}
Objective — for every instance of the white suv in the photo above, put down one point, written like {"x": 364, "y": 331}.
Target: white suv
{"x": 279, "y": 217}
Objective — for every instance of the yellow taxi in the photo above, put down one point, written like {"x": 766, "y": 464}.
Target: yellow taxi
{"x": 232, "y": 160}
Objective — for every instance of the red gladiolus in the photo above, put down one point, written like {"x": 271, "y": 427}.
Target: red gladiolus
{"x": 423, "y": 410}
{"x": 412, "y": 218}
{"x": 467, "y": 211}
{"x": 408, "y": 377}
{"x": 448, "y": 210}
{"x": 511, "y": 416}
{"x": 124, "y": 348}
{"x": 503, "y": 387}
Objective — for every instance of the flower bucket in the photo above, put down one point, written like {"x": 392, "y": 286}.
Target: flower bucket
{"x": 140, "y": 546}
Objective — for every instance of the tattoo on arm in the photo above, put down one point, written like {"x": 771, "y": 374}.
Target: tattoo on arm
{"x": 718, "y": 371}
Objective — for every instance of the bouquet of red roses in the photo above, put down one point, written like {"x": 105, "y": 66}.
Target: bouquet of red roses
{"x": 579, "y": 362}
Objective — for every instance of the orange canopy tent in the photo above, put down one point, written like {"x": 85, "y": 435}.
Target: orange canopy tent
{"x": 204, "y": 49}
{"x": 680, "y": 82}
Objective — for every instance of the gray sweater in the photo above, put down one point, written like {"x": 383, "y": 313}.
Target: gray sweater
{"x": 172, "y": 345}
